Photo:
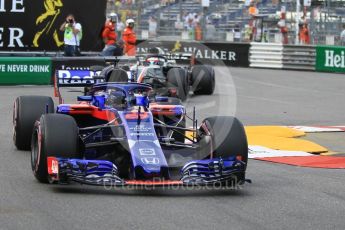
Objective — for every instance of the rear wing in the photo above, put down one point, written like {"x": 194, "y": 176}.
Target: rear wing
{"x": 74, "y": 78}
{"x": 173, "y": 58}
{"x": 180, "y": 56}
{"x": 84, "y": 78}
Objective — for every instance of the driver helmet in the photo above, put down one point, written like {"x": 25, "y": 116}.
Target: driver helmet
{"x": 116, "y": 98}
{"x": 153, "y": 61}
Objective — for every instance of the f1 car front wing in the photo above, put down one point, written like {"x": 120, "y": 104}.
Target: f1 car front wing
{"x": 105, "y": 173}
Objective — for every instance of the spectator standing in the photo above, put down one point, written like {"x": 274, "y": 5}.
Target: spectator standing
{"x": 152, "y": 27}
{"x": 190, "y": 25}
{"x": 253, "y": 10}
{"x": 189, "y": 21}
{"x": 185, "y": 19}
{"x": 282, "y": 26}
{"x": 285, "y": 32}
{"x": 342, "y": 36}
{"x": 237, "y": 33}
{"x": 304, "y": 34}
{"x": 247, "y": 33}
{"x": 198, "y": 32}
{"x": 109, "y": 36}
{"x": 196, "y": 20}
{"x": 72, "y": 35}
{"x": 129, "y": 37}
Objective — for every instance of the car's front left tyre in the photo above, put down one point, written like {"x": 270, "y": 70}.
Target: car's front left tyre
{"x": 54, "y": 135}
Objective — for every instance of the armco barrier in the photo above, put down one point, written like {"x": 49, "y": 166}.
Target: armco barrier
{"x": 299, "y": 57}
{"x": 25, "y": 70}
{"x": 266, "y": 55}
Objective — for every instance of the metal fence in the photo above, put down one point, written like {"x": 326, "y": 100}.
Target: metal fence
{"x": 325, "y": 19}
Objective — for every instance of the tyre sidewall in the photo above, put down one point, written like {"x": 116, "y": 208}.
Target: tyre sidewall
{"x": 27, "y": 110}
{"x": 228, "y": 137}
{"x": 177, "y": 78}
{"x": 51, "y": 142}
{"x": 203, "y": 80}
{"x": 39, "y": 166}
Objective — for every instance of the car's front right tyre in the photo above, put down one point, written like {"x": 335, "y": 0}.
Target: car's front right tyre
{"x": 26, "y": 110}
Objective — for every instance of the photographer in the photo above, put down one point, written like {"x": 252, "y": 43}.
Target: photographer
{"x": 72, "y": 36}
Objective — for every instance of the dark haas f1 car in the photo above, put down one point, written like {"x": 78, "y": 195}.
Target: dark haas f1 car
{"x": 119, "y": 136}
{"x": 164, "y": 75}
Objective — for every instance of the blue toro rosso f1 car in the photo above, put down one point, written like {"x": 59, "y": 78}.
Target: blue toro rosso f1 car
{"x": 120, "y": 135}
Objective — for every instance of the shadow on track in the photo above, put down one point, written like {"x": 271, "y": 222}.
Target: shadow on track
{"x": 150, "y": 192}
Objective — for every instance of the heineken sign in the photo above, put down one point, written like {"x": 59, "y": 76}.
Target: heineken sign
{"x": 330, "y": 58}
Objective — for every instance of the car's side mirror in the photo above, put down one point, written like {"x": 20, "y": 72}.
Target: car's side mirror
{"x": 142, "y": 100}
{"x": 99, "y": 102}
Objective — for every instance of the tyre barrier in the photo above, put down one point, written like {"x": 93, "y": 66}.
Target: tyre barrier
{"x": 299, "y": 57}
{"x": 266, "y": 55}
{"x": 279, "y": 56}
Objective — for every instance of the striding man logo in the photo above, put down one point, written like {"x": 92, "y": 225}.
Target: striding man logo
{"x": 177, "y": 47}
{"x": 46, "y": 21}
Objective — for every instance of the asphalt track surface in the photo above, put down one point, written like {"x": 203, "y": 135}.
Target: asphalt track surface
{"x": 281, "y": 196}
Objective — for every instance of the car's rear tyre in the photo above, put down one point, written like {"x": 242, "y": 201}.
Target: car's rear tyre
{"x": 118, "y": 75}
{"x": 26, "y": 110}
{"x": 106, "y": 72}
{"x": 203, "y": 79}
{"x": 112, "y": 74}
{"x": 228, "y": 137}
{"x": 177, "y": 78}
{"x": 54, "y": 135}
